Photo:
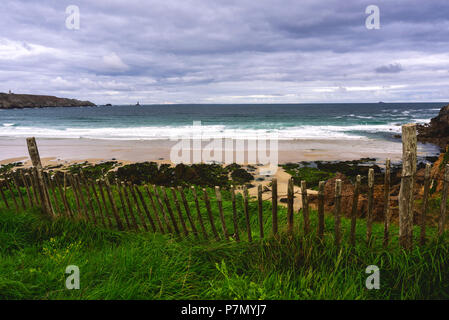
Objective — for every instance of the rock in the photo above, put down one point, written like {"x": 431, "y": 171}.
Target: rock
{"x": 12, "y": 101}
{"x": 437, "y": 131}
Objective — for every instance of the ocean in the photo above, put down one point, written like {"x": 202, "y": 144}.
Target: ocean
{"x": 150, "y": 122}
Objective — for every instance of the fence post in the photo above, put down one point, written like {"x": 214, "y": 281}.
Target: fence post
{"x": 305, "y": 207}
{"x": 425, "y": 204}
{"x": 125, "y": 189}
{"x": 36, "y": 161}
{"x": 209, "y": 213}
{"x": 234, "y": 215}
{"x": 122, "y": 202}
{"x": 220, "y": 211}
{"x": 178, "y": 209}
{"x": 145, "y": 208}
{"x": 321, "y": 210}
{"x": 94, "y": 191}
{"x": 337, "y": 212}
{"x": 187, "y": 209}
{"x": 136, "y": 202}
{"x": 355, "y": 203}
{"x": 246, "y": 210}
{"x": 170, "y": 211}
{"x": 260, "y": 210}
{"x": 387, "y": 203}
{"x": 198, "y": 211}
{"x": 290, "y": 206}
{"x": 11, "y": 192}
{"x": 156, "y": 212}
{"x": 409, "y": 156}
{"x": 369, "y": 216}
{"x": 442, "y": 220}
{"x": 274, "y": 205}
{"x": 2, "y": 182}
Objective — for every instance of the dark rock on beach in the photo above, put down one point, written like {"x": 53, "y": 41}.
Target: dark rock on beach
{"x": 437, "y": 131}
{"x": 13, "y": 101}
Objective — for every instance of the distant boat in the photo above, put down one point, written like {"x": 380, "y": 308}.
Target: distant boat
{"x": 137, "y": 104}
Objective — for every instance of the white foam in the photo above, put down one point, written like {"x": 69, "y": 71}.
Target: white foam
{"x": 327, "y": 132}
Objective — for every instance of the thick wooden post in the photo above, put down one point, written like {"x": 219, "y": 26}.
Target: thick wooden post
{"x": 260, "y": 210}
{"x": 209, "y": 213}
{"x": 409, "y": 156}
{"x": 443, "y": 208}
{"x": 36, "y": 161}
{"x": 387, "y": 203}
{"x": 355, "y": 203}
{"x": 197, "y": 206}
{"x": 246, "y": 210}
{"x": 425, "y": 204}
{"x": 290, "y": 206}
{"x": 321, "y": 210}
{"x": 234, "y": 215}
{"x": 305, "y": 207}
{"x": 337, "y": 213}
{"x": 274, "y": 205}
{"x": 220, "y": 211}
{"x": 369, "y": 216}
{"x": 187, "y": 209}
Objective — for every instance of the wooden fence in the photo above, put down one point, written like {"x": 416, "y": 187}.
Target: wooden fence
{"x": 122, "y": 205}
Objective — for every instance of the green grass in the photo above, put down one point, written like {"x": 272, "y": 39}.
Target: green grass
{"x": 34, "y": 253}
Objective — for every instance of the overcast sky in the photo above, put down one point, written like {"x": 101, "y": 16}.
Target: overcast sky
{"x": 233, "y": 51}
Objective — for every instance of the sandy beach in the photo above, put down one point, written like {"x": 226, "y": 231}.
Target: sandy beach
{"x": 14, "y": 149}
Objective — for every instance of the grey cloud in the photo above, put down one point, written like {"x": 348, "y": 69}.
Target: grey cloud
{"x": 390, "y": 68}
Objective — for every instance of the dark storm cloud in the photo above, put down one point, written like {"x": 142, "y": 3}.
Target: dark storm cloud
{"x": 226, "y": 51}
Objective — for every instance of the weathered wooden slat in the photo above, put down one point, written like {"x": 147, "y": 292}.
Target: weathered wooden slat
{"x": 27, "y": 188}
{"x": 321, "y": 210}
{"x": 369, "y": 215}
{"x": 114, "y": 206}
{"x": 85, "y": 184}
{"x": 19, "y": 191}
{"x": 105, "y": 205}
{"x": 274, "y": 204}
{"x": 260, "y": 210}
{"x": 145, "y": 208}
{"x": 130, "y": 208}
{"x": 305, "y": 207}
{"x": 209, "y": 213}
{"x": 200, "y": 218}
{"x": 387, "y": 204}
{"x": 220, "y": 210}
{"x": 81, "y": 196}
{"x": 443, "y": 207}
{"x": 14, "y": 200}
{"x": 161, "y": 209}
{"x": 97, "y": 200}
{"x": 337, "y": 212}
{"x": 170, "y": 210}
{"x": 188, "y": 212}
{"x": 178, "y": 209}
{"x": 355, "y": 203}
{"x": 123, "y": 205}
{"x": 425, "y": 204}
{"x": 246, "y": 211}
{"x": 155, "y": 210}
{"x": 75, "y": 193}
{"x": 234, "y": 215}
{"x": 290, "y": 206}
{"x": 136, "y": 202}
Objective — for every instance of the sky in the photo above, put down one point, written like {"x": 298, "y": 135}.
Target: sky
{"x": 233, "y": 51}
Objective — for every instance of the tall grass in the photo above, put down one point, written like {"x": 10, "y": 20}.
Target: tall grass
{"x": 34, "y": 253}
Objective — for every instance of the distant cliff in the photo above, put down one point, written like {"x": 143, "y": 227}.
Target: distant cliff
{"x": 12, "y": 100}
{"x": 437, "y": 131}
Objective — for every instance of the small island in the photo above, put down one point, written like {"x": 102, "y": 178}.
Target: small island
{"x": 19, "y": 101}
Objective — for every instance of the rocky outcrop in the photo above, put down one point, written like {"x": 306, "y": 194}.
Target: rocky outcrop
{"x": 437, "y": 131}
{"x": 12, "y": 101}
